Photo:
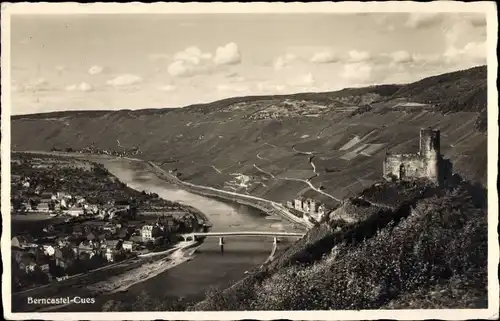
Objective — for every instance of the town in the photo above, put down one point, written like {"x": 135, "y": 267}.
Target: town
{"x": 71, "y": 217}
{"x": 119, "y": 152}
{"x": 93, "y": 220}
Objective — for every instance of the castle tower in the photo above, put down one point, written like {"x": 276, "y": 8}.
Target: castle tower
{"x": 430, "y": 151}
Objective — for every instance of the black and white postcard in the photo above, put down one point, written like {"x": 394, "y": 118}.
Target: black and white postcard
{"x": 225, "y": 161}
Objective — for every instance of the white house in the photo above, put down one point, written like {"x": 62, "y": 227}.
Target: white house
{"x": 80, "y": 200}
{"x": 298, "y": 204}
{"x": 109, "y": 255}
{"x": 48, "y": 249}
{"x": 63, "y": 204}
{"x": 147, "y": 232}
{"x": 110, "y": 228}
{"x": 307, "y": 206}
{"x": 44, "y": 267}
{"x": 63, "y": 195}
{"x": 75, "y": 211}
{"x": 91, "y": 208}
{"x": 313, "y": 206}
{"x": 128, "y": 245}
{"x": 28, "y": 266}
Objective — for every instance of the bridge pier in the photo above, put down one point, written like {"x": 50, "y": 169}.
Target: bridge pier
{"x": 275, "y": 241}
{"x": 221, "y": 244}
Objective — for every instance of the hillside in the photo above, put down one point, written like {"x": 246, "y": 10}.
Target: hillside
{"x": 436, "y": 258}
{"x": 262, "y": 145}
{"x": 343, "y": 265}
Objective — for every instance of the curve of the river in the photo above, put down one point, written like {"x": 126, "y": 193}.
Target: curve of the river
{"x": 208, "y": 267}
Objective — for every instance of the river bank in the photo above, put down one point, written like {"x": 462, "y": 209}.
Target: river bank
{"x": 269, "y": 207}
{"x": 204, "y": 266}
{"x": 147, "y": 270}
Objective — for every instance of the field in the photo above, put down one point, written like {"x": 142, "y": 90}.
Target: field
{"x": 213, "y": 144}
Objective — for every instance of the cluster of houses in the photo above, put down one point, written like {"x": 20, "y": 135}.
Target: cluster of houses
{"x": 308, "y": 207}
{"x": 122, "y": 153}
{"x": 109, "y": 242}
{"x": 53, "y": 163}
{"x": 64, "y": 203}
{"x": 90, "y": 237}
{"x": 32, "y": 257}
{"x": 58, "y": 203}
{"x": 65, "y": 251}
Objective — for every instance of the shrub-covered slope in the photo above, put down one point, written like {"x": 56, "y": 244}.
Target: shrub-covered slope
{"x": 430, "y": 252}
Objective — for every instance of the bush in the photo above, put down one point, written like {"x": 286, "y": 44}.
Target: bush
{"x": 441, "y": 245}
{"x": 100, "y": 171}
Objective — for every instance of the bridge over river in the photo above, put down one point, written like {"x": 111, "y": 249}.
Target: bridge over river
{"x": 222, "y": 235}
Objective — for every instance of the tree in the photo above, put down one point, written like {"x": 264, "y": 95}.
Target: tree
{"x": 56, "y": 270}
{"x": 120, "y": 256}
{"x": 96, "y": 261}
{"x": 150, "y": 245}
{"x": 100, "y": 171}
{"x": 17, "y": 204}
{"x": 52, "y": 205}
{"x": 33, "y": 203}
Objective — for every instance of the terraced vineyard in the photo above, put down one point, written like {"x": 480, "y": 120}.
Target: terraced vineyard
{"x": 262, "y": 145}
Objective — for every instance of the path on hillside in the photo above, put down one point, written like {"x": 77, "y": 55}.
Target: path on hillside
{"x": 263, "y": 171}
{"x": 314, "y": 167}
{"x": 321, "y": 131}
{"x": 307, "y": 181}
{"x": 216, "y": 169}
{"x": 311, "y": 186}
{"x": 263, "y": 158}
{"x": 301, "y": 152}
{"x": 281, "y": 210}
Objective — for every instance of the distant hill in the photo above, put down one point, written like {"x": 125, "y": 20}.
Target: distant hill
{"x": 442, "y": 89}
{"x": 446, "y": 88}
{"x": 259, "y": 145}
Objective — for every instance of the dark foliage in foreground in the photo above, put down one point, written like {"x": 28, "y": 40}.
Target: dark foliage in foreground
{"x": 433, "y": 258}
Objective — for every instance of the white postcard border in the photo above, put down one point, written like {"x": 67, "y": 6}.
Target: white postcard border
{"x": 489, "y": 8}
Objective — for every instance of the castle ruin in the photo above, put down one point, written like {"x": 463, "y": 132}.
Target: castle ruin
{"x": 427, "y": 163}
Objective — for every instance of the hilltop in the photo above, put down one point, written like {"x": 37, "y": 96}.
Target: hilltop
{"x": 263, "y": 145}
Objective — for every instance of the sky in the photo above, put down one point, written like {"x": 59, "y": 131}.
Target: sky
{"x": 112, "y": 62}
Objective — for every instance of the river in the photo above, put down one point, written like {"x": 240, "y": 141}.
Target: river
{"x": 208, "y": 266}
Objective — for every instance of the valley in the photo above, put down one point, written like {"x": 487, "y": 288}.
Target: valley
{"x": 262, "y": 146}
